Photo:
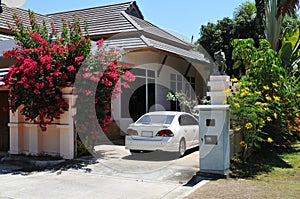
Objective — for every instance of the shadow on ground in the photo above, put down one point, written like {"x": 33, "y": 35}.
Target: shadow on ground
{"x": 262, "y": 162}
{"x": 156, "y": 155}
{"x": 25, "y": 165}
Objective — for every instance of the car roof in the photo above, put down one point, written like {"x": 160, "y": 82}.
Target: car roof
{"x": 164, "y": 113}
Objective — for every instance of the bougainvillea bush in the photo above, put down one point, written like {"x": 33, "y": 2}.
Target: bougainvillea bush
{"x": 98, "y": 82}
{"x": 46, "y": 62}
{"x": 265, "y": 101}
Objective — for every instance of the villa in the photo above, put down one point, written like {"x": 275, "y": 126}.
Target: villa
{"x": 160, "y": 61}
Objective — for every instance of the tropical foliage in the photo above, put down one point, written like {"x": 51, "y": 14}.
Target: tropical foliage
{"x": 265, "y": 101}
{"x": 257, "y": 21}
{"x": 273, "y": 23}
{"x": 216, "y": 36}
{"x": 287, "y": 7}
{"x": 289, "y": 51}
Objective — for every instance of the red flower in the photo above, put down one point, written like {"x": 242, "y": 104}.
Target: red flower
{"x": 45, "y": 59}
{"x": 100, "y": 42}
{"x": 56, "y": 73}
{"x": 71, "y": 68}
{"x": 79, "y": 59}
{"x": 37, "y": 92}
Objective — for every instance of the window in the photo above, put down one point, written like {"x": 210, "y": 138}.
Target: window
{"x": 186, "y": 120}
{"x": 176, "y": 86}
{"x": 138, "y": 99}
{"x": 190, "y": 86}
{"x": 156, "y": 119}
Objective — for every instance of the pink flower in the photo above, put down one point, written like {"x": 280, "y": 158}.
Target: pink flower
{"x": 56, "y": 73}
{"x": 100, "y": 42}
{"x": 37, "y": 92}
{"x": 26, "y": 86}
{"x": 71, "y": 68}
{"x": 61, "y": 51}
{"x": 125, "y": 84}
{"x": 49, "y": 67}
{"x": 128, "y": 76}
{"x": 79, "y": 59}
{"x": 45, "y": 59}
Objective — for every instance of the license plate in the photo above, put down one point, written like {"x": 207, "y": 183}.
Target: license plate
{"x": 147, "y": 133}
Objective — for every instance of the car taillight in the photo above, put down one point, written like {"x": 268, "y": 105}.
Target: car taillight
{"x": 131, "y": 132}
{"x": 165, "y": 133}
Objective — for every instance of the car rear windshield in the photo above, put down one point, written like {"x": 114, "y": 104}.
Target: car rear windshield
{"x": 156, "y": 119}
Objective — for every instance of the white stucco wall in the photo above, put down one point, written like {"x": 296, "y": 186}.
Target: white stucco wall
{"x": 173, "y": 65}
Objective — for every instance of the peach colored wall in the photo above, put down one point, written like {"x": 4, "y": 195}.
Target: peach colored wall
{"x": 49, "y": 141}
{"x": 28, "y": 138}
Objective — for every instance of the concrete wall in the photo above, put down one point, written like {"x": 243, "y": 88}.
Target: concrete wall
{"x": 27, "y": 138}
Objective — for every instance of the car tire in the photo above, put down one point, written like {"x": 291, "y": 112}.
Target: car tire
{"x": 182, "y": 147}
{"x": 134, "y": 151}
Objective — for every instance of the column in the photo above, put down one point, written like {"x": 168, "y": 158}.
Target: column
{"x": 66, "y": 126}
{"x": 218, "y": 84}
{"x": 15, "y": 138}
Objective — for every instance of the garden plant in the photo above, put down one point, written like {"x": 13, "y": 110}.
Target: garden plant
{"x": 265, "y": 101}
{"x": 47, "y": 61}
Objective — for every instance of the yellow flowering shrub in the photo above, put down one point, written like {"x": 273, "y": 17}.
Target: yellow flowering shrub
{"x": 264, "y": 106}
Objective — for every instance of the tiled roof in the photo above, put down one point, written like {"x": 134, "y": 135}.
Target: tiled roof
{"x": 6, "y": 43}
{"x": 156, "y": 31}
{"x": 127, "y": 43}
{"x": 3, "y": 72}
{"x": 5, "y": 37}
{"x": 7, "y": 17}
{"x": 146, "y": 42}
{"x": 101, "y": 20}
{"x": 123, "y": 23}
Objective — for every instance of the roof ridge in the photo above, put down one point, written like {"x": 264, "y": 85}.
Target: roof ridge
{"x": 82, "y": 9}
{"x": 175, "y": 37}
{"x": 137, "y": 26}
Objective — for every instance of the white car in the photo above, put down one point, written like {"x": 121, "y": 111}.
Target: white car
{"x": 164, "y": 130}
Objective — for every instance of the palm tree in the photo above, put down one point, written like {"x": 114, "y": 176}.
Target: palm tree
{"x": 273, "y": 23}
{"x": 287, "y": 7}
{"x": 283, "y": 7}
{"x": 273, "y": 12}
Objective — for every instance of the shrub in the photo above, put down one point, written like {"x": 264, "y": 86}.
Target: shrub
{"x": 98, "y": 82}
{"x": 265, "y": 101}
{"x": 46, "y": 62}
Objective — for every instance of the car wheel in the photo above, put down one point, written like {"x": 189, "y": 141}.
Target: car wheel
{"x": 182, "y": 147}
{"x": 134, "y": 151}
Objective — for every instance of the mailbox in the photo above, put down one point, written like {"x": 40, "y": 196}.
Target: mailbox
{"x": 214, "y": 140}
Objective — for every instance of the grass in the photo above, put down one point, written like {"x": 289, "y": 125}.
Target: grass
{"x": 284, "y": 180}
{"x": 270, "y": 174}
{"x": 266, "y": 162}
{"x": 277, "y": 171}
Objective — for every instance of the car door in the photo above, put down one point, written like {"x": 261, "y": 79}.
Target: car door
{"x": 187, "y": 129}
{"x": 194, "y": 127}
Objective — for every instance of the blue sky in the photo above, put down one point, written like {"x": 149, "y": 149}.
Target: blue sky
{"x": 183, "y": 17}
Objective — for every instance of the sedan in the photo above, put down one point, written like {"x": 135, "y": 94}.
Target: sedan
{"x": 163, "y": 130}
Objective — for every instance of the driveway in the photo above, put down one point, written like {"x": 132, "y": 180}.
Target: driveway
{"x": 115, "y": 173}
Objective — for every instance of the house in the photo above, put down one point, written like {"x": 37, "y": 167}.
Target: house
{"x": 160, "y": 61}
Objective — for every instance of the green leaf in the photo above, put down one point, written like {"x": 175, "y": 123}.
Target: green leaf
{"x": 237, "y": 64}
